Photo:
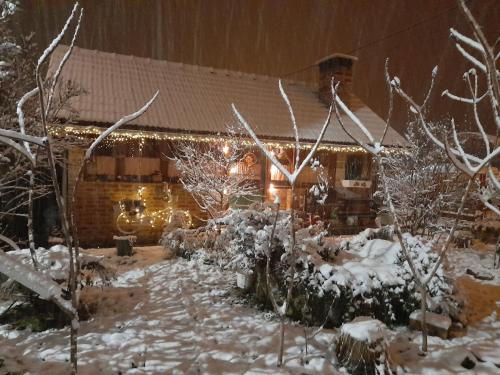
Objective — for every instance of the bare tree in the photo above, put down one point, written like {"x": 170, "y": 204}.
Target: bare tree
{"x": 291, "y": 177}
{"x": 375, "y": 148}
{"x": 215, "y": 175}
{"x": 16, "y": 67}
{"x": 422, "y": 181}
{"x": 22, "y": 182}
{"x": 483, "y": 66}
{"x": 21, "y": 142}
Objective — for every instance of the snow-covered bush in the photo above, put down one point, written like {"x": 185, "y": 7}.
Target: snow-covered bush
{"x": 371, "y": 277}
{"x": 245, "y": 236}
{"x": 215, "y": 174}
{"x": 186, "y": 242}
{"x": 240, "y": 239}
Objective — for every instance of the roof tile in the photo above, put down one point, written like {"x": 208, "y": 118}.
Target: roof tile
{"x": 198, "y": 99}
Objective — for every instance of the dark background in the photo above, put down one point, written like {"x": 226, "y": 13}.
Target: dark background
{"x": 281, "y": 37}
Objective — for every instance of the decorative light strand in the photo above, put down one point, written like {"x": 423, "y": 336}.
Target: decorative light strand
{"x": 84, "y": 132}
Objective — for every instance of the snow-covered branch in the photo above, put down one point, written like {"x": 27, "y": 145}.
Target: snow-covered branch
{"x": 121, "y": 122}
{"x": 20, "y": 115}
{"x": 291, "y": 177}
{"x": 467, "y": 161}
{"x": 11, "y": 134}
{"x": 215, "y": 175}
{"x": 35, "y": 281}
{"x": 63, "y": 61}
{"x": 294, "y": 122}
{"x": 55, "y": 42}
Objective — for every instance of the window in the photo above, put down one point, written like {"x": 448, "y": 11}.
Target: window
{"x": 357, "y": 167}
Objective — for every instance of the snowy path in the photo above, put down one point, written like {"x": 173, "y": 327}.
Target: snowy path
{"x": 187, "y": 324}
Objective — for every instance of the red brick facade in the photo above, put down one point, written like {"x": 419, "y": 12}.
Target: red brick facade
{"x": 96, "y": 206}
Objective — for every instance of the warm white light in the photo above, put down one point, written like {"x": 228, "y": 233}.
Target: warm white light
{"x": 275, "y": 173}
{"x": 272, "y": 189}
{"x": 233, "y": 169}
{"x": 225, "y": 149}
{"x": 82, "y": 132}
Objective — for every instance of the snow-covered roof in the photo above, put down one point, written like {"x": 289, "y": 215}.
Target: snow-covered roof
{"x": 197, "y": 100}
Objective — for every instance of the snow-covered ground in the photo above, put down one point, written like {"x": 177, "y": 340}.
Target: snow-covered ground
{"x": 186, "y": 324}
{"x": 480, "y": 262}
{"x": 181, "y": 317}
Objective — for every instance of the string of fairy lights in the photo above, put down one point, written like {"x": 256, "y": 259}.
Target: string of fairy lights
{"x": 85, "y": 132}
{"x": 143, "y": 216}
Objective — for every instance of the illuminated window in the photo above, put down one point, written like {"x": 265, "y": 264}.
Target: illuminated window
{"x": 356, "y": 167}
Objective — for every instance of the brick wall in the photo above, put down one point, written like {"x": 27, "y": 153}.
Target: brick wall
{"x": 97, "y": 202}
{"x": 342, "y": 69}
{"x": 96, "y": 205}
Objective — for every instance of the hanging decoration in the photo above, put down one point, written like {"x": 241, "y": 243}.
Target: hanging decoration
{"x": 134, "y": 213}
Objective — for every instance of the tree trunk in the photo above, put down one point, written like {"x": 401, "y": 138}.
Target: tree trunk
{"x": 72, "y": 278}
{"x": 292, "y": 274}
{"x": 282, "y": 341}
{"x": 31, "y": 238}
{"x": 423, "y": 321}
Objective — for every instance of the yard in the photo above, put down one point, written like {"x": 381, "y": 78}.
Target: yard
{"x": 185, "y": 317}
{"x": 297, "y": 229}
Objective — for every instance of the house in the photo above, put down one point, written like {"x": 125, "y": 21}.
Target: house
{"x": 195, "y": 105}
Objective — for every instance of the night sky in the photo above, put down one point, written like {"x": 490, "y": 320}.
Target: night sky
{"x": 284, "y": 38}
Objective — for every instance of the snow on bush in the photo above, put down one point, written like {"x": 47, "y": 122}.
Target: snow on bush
{"x": 54, "y": 262}
{"x": 241, "y": 238}
{"x": 246, "y": 233}
{"x": 188, "y": 243}
{"x": 373, "y": 279}
{"x": 370, "y": 276}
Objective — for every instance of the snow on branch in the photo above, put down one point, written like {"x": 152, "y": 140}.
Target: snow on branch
{"x": 16, "y": 146}
{"x": 354, "y": 118}
{"x": 469, "y": 57}
{"x": 20, "y": 115}
{"x": 35, "y": 281}
{"x": 291, "y": 177}
{"x": 294, "y": 122}
{"x": 11, "y": 134}
{"x": 57, "y": 39}
{"x": 65, "y": 58}
{"x": 264, "y": 149}
{"x": 465, "y": 39}
{"x": 457, "y": 98}
{"x": 376, "y": 148}
{"x": 9, "y": 242}
{"x": 121, "y": 122}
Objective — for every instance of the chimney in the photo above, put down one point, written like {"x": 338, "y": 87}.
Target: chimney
{"x": 339, "y": 66}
